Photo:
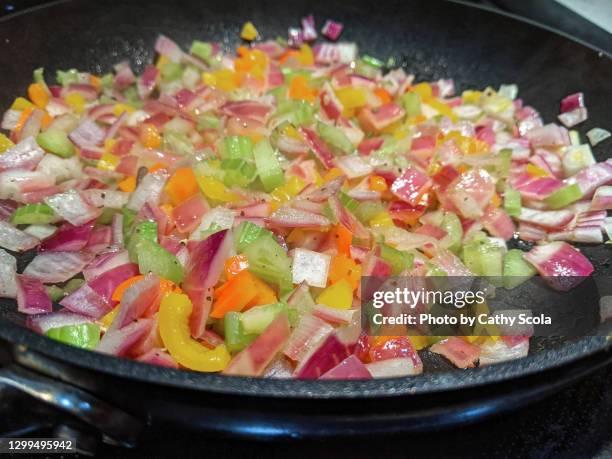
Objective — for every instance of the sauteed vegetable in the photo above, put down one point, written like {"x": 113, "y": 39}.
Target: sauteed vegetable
{"x": 218, "y": 211}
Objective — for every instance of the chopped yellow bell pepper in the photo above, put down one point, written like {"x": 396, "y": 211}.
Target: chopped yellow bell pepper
{"x": 424, "y": 90}
{"x": 249, "y": 32}
{"x": 351, "y": 97}
{"x": 76, "y": 101}
{"x": 471, "y": 97}
{"x": 285, "y": 192}
{"x": 173, "y": 319}
{"x": 382, "y": 220}
{"x": 338, "y": 295}
{"x": 108, "y": 162}
{"x": 118, "y": 109}
{"x": 216, "y": 190}
{"x": 107, "y": 319}
{"x": 21, "y": 103}
{"x": 150, "y": 136}
{"x": 536, "y": 171}
{"x": 5, "y": 143}
{"x": 306, "y": 57}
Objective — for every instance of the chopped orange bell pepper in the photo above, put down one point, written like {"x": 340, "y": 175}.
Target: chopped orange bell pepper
{"x": 165, "y": 286}
{"x": 344, "y": 239}
{"x": 128, "y": 184}
{"x": 383, "y": 95}
{"x": 233, "y": 265}
{"x": 156, "y": 167}
{"x": 235, "y": 294}
{"x": 289, "y": 54}
{"x": 182, "y": 185}
{"x": 299, "y": 89}
{"x": 150, "y": 136}
{"x": 265, "y": 294}
{"x": 25, "y": 114}
{"x": 38, "y": 95}
{"x": 95, "y": 81}
{"x": 378, "y": 183}
{"x": 343, "y": 267}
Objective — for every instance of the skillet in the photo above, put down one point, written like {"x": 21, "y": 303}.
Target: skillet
{"x": 432, "y": 39}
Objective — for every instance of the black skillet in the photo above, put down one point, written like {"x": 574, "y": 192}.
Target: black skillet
{"x": 431, "y": 39}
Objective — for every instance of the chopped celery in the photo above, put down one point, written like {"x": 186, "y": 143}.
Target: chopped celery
{"x": 67, "y": 77}
{"x": 516, "y": 269}
{"x": 367, "y": 210}
{"x": 297, "y": 112}
{"x": 248, "y": 232}
{"x": 201, "y": 49}
{"x": 411, "y": 102}
{"x": 398, "y": 259}
{"x": 564, "y": 196}
{"x": 237, "y": 147}
{"x": 84, "y": 336}
{"x": 268, "y": 166}
{"x": 235, "y": 337}
{"x": 55, "y": 293}
{"x": 512, "y": 202}
{"x": 208, "y": 122}
{"x": 106, "y": 217}
{"x": 106, "y": 80}
{"x": 132, "y": 97}
{"x": 128, "y": 218}
{"x": 73, "y": 285}
{"x": 31, "y": 214}
{"x": 145, "y": 231}
{"x": 268, "y": 260}
{"x": 171, "y": 71}
{"x": 257, "y": 319}
{"x": 335, "y": 138}
{"x": 56, "y": 142}
{"x": 39, "y": 76}
{"x": 238, "y": 172}
{"x": 505, "y": 157}
{"x": 454, "y": 231}
{"x": 178, "y": 143}
{"x": 349, "y": 203}
{"x": 153, "y": 258}
{"x": 372, "y": 61}
{"x": 483, "y": 258}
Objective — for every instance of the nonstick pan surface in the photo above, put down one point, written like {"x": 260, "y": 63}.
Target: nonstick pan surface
{"x": 432, "y": 39}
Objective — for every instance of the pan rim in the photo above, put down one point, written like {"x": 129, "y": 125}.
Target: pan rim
{"x": 425, "y": 384}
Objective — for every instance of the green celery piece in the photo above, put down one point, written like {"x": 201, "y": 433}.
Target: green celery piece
{"x": 398, "y": 259}
{"x": 335, "y": 138}
{"x": 454, "y": 231}
{"x": 296, "y": 112}
{"x": 268, "y": 167}
{"x": 512, "y": 202}
{"x": 235, "y": 338}
{"x": 201, "y": 49}
{"x": 73, "y": 285}
{"x": 237, "y": 147}
{"x": 372, "y": 61}
{"x": 55, "y": 293}
{"x": 411, "y": 102}
{"x": 171, "y": 71}
{"x": 349, "y": 203}
{"x": 269, "y": 261}
{"x": 564, "y": 196}
{"x": 128, "y": 218}
{"x": 505, "y": 156}
{"x": 106, "y": 217}
{"x": 132, "y": 97}
{"x": 238, "y": 172}
{"x": 248, "y": 232}
{"x": 66, "y": 77}
{"x": 153, "y": 258}
{"x": 483, "y": 258}
{"x": 178, "y": 143}
{"x": 85, "y": 336}
{"x": 107, "y": 80}
{"x": 56, "y": 142}
{"x": 257, "y": 319}
{"x": 145, "y": 231}
{"x": 516, "y": 269}
{"x": 367, "y": 210}
{"x": 31, "y": 214}
{"x": 208, "y": 122}
{"x": 39, "y": 76}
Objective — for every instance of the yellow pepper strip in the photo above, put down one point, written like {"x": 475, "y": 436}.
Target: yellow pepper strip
{"x": 5, "y": 143}
{"x": 285, "y": 192}
{"x": 173, "y": 319}
{"x": 107, "y": 319}
{"x": 216, "y": 190}
{"x": 76, "y": 101}
{"x": 419, "y": 342}
{"x": 108, "y": 162}
{"x": 382, "y": 220}
{"x": 338, "y": 295}
{"x": 536, "y": 171}
{"x": 21, "y": 103}
{"x": 249, "y": 32}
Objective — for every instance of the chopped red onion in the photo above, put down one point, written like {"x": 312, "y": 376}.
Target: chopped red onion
{"x": 309, "y": 31}
{"x": 295, "y": 218}
{"x": 305, "y": 338}
{"x": 87, "y": 134}
{"x": 124, "y": 76}
{"x": 52, "y": 267}
{"x": 68, "y": 238}
{"x": 295, "y": 37}
{"x": 41, "y": 323}
{"x": 148, "y": 190}
{"x": 8, "y": 270}
{"x": 349, "y": 368}
{"x": 572, "y": 102}
{"x": 571, "y": 119}
{"x": 71, "y": 206}
{"x": 166, "y": 47}
{"x": 32, "y": 297}
{"x": 14, "y": 239}
{"x": 332, "y": 29}
{"x": 25, "y": 156}
{"x": 598, "y": 135}
{"x": 118, "y": 342}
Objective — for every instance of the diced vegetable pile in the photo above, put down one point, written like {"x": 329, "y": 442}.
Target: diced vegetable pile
{"x": 217, "y": 212}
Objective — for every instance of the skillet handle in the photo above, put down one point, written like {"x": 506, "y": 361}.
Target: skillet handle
{"x": 116, "y": 426}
